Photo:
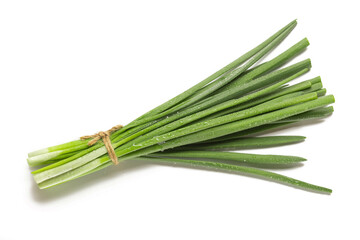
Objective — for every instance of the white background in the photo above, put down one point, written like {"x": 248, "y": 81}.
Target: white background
{"x": 71, "y": 68}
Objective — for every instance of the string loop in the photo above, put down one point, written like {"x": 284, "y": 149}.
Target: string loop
{"x": 105, "y": 137}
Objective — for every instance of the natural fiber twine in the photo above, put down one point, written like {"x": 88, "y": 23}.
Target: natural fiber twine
{"x": 105, "y": 136}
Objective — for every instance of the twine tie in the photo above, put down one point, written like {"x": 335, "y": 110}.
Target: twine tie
{"x": 105, "y": 137}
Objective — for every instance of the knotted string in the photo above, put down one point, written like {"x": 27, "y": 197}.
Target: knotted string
{"x": 105, "y": 136}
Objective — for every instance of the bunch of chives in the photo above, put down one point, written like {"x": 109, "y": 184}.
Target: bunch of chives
{"x": 200, "y": 126}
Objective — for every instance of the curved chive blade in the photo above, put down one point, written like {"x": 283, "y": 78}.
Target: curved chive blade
{"x": 239, "y": 157}
{"x": 247, "y": 170}
{"x": 246, "y": 143}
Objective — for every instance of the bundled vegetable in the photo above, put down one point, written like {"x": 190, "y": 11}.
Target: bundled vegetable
{"x": 201, "y": 125}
